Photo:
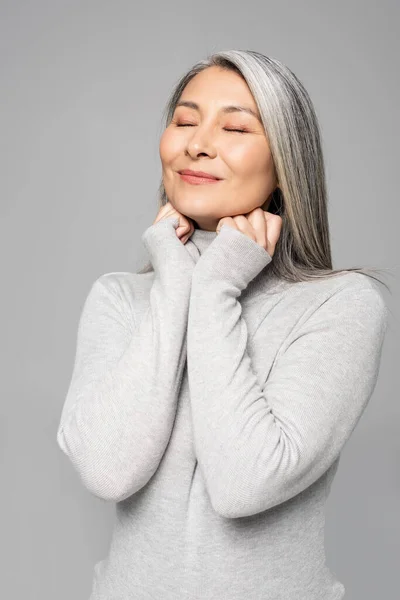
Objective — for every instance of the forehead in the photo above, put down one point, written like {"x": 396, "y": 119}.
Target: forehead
{"x": 216, "y": 87}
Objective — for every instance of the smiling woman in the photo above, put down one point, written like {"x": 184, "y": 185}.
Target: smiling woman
{"x": 216, "y": 128}
{"x": 212, "y": 394}
{"x": 247, "y": 118}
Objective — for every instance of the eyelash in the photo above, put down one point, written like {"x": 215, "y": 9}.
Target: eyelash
{"x": 190, "y": 125}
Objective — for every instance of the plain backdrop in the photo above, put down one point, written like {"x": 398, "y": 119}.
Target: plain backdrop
{"x": 83, "y": 87}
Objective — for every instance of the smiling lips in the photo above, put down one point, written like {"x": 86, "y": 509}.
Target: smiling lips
{"x": 197, "y": 177}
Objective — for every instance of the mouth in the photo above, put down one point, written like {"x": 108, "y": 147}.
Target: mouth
{"x": 197, "y": 177}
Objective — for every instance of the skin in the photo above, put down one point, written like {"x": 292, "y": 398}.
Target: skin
{"x": 201, "y": 140}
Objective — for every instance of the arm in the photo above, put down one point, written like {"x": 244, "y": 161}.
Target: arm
{"x": 120, "y": 407}
{"x": 259, "y": 446}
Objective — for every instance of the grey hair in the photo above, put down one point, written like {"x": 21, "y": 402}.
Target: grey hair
{"x": 303, "y": 250}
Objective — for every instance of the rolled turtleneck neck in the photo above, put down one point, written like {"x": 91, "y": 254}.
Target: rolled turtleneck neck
{"x": 202, "y": 238}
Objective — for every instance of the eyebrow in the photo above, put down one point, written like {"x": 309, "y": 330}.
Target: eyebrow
{"x": 225, "y": 109}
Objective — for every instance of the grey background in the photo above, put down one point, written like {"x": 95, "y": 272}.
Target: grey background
{"x": 83, "y": 86}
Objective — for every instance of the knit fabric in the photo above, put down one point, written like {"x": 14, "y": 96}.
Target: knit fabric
{"x": 211, "y": 401}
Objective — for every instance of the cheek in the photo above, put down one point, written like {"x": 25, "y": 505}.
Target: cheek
{"x": 170, "y": 146}
{"x": 247, "y": 160}
{"x": 252, "y": 171}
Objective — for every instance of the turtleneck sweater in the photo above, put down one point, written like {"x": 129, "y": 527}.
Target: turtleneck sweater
{"x": 210, "y": 401}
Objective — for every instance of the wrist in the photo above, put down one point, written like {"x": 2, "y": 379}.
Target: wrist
{"x": 233, "y": 257}
{"x": 165, "y": 247}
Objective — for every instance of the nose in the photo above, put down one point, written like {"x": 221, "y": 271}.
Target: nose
{"x": 200, "y": 143}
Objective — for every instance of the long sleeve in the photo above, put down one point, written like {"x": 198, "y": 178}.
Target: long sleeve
{"x": 120, "y": 407}
{"x": 259, "y": 446}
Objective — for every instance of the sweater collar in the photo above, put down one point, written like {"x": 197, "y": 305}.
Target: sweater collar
{"x": 202, "y": 238}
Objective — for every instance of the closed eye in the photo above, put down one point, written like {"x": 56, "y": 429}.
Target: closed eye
{"x": 238, "y": 130}
{"x": 225, "y": 128}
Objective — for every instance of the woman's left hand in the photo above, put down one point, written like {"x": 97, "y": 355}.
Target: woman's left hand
{"x": 260, "y": 225}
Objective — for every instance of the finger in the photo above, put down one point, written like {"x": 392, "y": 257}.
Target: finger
{"x": 259, "y": 224}
{"x": 165, "y": 210}
{"x": 185, "y": 230}
{"x": 226, "y": 221}
{"x": 245, "y": 226}
{"x": 274, "y": 227}
{"x": 185, "y": 238}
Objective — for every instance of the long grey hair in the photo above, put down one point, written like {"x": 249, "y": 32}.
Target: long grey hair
{"x": 303, "y": 250}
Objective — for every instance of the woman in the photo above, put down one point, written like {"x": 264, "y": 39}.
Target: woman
{"x": 213, "y": 391}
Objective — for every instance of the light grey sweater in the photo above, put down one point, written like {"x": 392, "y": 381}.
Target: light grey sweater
{"x": 210, "y": 401}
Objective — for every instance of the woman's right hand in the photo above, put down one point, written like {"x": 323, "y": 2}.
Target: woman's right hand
{"x": 185, "y": 227}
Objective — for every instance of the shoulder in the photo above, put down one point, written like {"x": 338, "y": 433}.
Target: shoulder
{"x": 357, "y": 286}
{"x": 354, "y": 297}
{"x": 314, "y": 292}
{"x": 321, "y": 289}
{"x": 123, "y": 291}
{"x": 124, "y": 284}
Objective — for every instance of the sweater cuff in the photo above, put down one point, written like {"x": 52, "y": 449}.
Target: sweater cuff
{"x": 163, "y": 245}
{"x": 154, "y": 231}
{"x": 234, "y": 257}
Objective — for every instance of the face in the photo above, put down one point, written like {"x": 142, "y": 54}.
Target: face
{"x": 202, "y": 138}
